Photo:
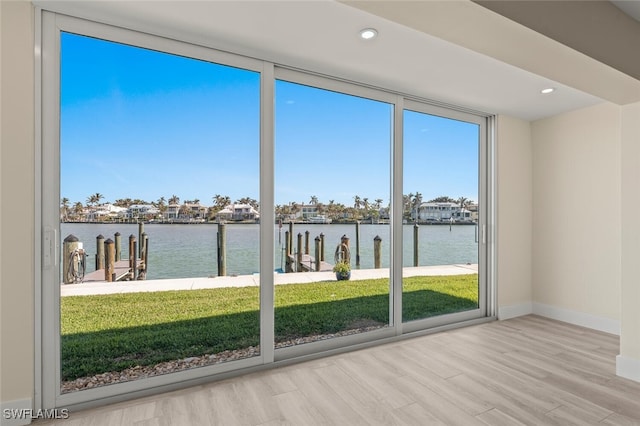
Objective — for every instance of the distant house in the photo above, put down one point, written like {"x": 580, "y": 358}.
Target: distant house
{"x": 194, "y": 211}
{"x": 142, "y": 211}
{"x": 308, "y": 211}
{"x": 444, "y": 212}
{"x": 104, "y": 212}
{"x": 238, "y": 212}
{"x": 172, "y": 212}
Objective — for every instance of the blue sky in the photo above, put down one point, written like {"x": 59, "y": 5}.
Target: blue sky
{"x": 142, "y": 124}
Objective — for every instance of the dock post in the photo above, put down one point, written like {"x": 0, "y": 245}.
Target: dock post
{"x": 290, "y": 237}
{"x": 99, "y": 252}
{"x": 287, "y": 252}
{"x": 321, "y": 247}
{"x": 318, "y": 262}
{"x": 222, "y": 249}
{"x": 358, "y": 244}
{"x": 118, "y": 241}
{"x": 71, "y": 244}
{"x": 306, "y": 242}
{"x": 132, "y": 257}
{"x": 415, "y": 244}
{"x": 110, "y": 259}
{"x": 146, "y": 257}
{"x": 299, "y": 254}
{"x": 377, "y": 252}
{"x": 140, "y": 232}
{"x": 142, "y": 243}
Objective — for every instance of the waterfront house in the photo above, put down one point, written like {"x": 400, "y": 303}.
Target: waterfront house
{"x": 142, "y": 212}
{"x": 238, "y": 212}
{"x": 173, "y": 211}
{"x": 444, "y": 212}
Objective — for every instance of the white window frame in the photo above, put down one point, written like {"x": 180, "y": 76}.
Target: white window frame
{"x": 47, "y": 292}
{"x": 53, "y": 25}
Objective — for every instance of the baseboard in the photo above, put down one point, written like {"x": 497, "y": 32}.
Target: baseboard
{"x": 577, "y": 318}
{"x": 629, "y": 368}
{"x": 16, "y": 413}
{"x": 512, "y": 311}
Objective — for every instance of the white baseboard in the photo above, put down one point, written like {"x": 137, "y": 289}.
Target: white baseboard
{"x": 16, "y": 413}
{"x": 629, "y": 368}
{"x": 512, "y": 311}
{"x": 577, "y": 318}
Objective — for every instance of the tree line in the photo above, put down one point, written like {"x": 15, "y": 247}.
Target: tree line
{"x": 362, "y": 208}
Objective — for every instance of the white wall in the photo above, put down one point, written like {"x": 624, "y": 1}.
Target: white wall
{"x": 628, "y": 363}
{"x": 514, "y": 216}
{"x": 576, "y": 217}
{"x": 17, "y": 179}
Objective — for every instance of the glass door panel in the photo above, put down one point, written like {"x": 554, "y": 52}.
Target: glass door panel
{"x": 159, "y": 181}
{"x": 440, "y": 216}
{"x": 332, "y": 193}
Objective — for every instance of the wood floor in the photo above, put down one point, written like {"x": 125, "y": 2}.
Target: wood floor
{"x": 528, "y": 370}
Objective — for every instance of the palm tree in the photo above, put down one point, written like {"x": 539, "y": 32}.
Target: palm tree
{"x": 443, "y": 199}
{"x": 314, "y": 200}
{"x": 126, "y": 202}
{"x": 378, "y": 202}
{"x": 462, "y": 202}
{"x": 64, "y": 209}
{"x": 95, "y": 198}
{"x": 78, "y": 208}
{"x": 357, "y": 202}
{"x": 174, "y": 199}
{"x": 221, "y": 201}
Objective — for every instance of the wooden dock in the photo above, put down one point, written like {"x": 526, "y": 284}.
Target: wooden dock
{"x": 121, "y": 269}
{"x": 309, "y": 264}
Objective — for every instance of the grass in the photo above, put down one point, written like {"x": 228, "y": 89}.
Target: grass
{"x": 112, "y": 332}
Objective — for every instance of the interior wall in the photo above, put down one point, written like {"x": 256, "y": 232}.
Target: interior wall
{"x": 17, "y": 201}
{"x": 576, "y": 217}
{"x": 514, "y": 216}
{"x": 628, "y": 364}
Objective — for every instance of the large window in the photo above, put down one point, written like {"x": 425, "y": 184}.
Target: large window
{"x": 204, "y": 213}
{"x": 332, "y": 188}
{"x": 441, "y": 211}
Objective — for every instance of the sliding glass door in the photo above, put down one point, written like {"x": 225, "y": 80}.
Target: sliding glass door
{"x": 204, "y": 213}
{"x": 332, "y": 193}
{"x": 159, "y": 182}
{"x": 442, "y": 214}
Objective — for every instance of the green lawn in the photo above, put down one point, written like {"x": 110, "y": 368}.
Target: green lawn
{"x": 113, "y": 332}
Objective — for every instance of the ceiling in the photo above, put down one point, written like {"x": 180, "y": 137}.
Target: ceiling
{"x": 630, "y": 7}
{"x": 454, "y": 52}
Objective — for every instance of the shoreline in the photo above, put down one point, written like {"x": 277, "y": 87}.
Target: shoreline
{"x": 276, "y": 223}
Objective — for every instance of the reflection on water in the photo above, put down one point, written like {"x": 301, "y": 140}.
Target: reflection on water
{"x": 186, "y": 251}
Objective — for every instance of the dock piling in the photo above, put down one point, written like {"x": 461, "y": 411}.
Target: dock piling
{"x": 118, "y": 241}
{"x": 222, "y": 250}
{"x": 133, "y": 267}
{"x": 99, "y": 252}
{"x": 358, "y": 244}
{"x": 415, "y": 244}
{"x": 70, "y": 262}
{"x": 318, "y": 263}
{"x": 299, "y": 254}
{"x": 377, "y": 252}
{"x": 110, "y": 258}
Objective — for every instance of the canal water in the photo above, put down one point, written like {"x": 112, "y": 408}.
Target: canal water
{"x": 189, "y": 251}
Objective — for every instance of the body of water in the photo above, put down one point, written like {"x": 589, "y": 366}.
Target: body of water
{"x": 186, "y": 251}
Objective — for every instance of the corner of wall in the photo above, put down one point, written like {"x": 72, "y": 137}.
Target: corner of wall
{"x": 514, "y": 216}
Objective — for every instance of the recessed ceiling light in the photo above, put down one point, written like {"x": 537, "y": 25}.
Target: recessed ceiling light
{"x": 368, "y": 33}
{"x": 547, "y": 90}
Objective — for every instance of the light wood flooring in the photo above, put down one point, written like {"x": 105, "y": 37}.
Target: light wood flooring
{"x": 528, "y": 370}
